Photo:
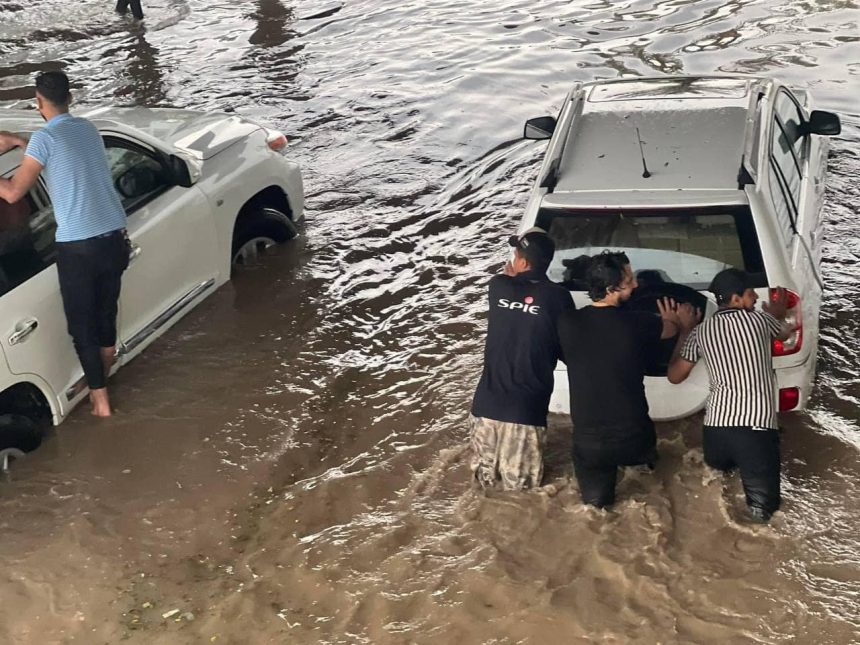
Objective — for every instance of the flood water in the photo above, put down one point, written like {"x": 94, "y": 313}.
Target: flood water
{"x": 288, "y": 463}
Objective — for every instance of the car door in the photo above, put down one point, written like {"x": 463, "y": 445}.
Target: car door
{"x": 174, "y": 251}
{"x": 791, "y": 155}
{"x": 33, "y": 331}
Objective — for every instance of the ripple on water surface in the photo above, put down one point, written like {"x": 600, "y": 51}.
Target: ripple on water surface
{"x": 338, "y": 374}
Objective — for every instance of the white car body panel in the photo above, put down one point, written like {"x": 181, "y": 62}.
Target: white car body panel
{"x": 182, "y": 240}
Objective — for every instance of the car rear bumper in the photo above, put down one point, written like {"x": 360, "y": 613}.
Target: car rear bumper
{"x": 668, "y": 402}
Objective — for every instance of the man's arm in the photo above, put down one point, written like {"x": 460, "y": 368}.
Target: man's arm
{"x": 680, "y": 365}
{"x": 14, "y": 189}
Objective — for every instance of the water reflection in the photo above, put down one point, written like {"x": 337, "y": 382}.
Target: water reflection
{"x": 143, "y": 73}
{"x": 273, "y": 18}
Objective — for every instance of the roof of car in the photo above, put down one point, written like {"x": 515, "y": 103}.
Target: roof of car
{"x": 691, "y": 131}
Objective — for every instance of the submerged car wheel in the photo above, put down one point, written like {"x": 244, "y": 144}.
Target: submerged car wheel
{"x": 259, "y": 231}
{"x": 18, "y": 435}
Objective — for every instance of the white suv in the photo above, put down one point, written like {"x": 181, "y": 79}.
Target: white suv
{"x": 688, "y": 176}
{"x": 203, "y": 192}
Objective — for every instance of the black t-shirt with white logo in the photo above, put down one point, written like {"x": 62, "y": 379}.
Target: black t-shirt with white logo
{"x": 522, "y": 348}
{"x": 605, "y": 350}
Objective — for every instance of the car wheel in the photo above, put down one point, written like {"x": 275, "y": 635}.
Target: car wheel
{"x": 259, "y": 231}
{"x": 18, "y": 435}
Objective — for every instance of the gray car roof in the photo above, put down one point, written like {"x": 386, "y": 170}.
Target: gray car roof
{"x": 692, "y": 133}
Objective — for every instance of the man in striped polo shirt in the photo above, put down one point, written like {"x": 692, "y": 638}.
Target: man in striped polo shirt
{"x": 741, "y": 417}
{"x": 92, "y": 247}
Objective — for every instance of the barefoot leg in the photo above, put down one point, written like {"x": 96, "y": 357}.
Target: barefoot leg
{"x": 100, "y": 402}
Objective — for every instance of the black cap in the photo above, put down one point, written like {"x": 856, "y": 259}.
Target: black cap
{"x": 729, "y": 282}
{"x": 535, "y": 246}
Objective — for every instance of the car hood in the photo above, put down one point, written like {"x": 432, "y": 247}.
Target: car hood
{"x": 201, "y": 134}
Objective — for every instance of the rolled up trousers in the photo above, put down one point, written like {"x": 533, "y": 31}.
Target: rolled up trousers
{"x": 90, "y": 274}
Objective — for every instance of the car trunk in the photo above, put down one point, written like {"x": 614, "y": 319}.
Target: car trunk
{"x": 675, "y": 253}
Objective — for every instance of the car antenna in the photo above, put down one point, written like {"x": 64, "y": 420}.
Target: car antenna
{"x": 645, "y": 172}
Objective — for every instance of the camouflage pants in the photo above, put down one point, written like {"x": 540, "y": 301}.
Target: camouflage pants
{"x": 510, "y": 452}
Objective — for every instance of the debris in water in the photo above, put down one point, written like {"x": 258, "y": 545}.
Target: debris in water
{"x": 170, "y": 614}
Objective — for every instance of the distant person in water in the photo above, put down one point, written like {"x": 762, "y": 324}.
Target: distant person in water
{"x": 136, "y": 9}
{"x": 508, "y": 420}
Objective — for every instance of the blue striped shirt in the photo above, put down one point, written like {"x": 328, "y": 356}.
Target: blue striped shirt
{"x": 76, "y": 173}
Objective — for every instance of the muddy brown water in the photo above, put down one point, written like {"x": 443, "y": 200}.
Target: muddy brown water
{"x": 288, "y": 465}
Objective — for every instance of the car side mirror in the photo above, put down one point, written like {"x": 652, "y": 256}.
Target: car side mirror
{"x": 539, "y": 128}
{"x": 179, "y": 172}
{"x": 820, "y": 122}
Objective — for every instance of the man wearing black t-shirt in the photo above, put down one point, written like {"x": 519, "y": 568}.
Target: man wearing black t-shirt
{"x": 604, "y": 347}
{"x": 508, "y": 419}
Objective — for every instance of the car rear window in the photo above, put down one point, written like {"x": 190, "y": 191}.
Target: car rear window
{"x": 684, "y": 246}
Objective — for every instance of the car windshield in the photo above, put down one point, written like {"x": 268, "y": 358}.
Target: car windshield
{"x": 684, "y": 246}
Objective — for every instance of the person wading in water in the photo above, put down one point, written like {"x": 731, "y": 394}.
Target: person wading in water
{"x": 604, "y": 347}
{"x": 508, "y": 419}
{"x": 741, "y": 416}
{"x": 136, "y": 9}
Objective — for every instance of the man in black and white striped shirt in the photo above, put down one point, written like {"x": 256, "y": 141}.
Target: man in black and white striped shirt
{"x": 741, "y": 417}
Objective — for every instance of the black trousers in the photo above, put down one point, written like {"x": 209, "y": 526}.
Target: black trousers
{"x": 755, "y": 453}
{"x": 136, "y": 9}
{"x": 90, "y": 273}
{"x": 598, "y": 453}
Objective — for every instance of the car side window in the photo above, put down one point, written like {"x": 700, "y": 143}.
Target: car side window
{"x": 790, "y": 116}
{"x": 137, "y": 174}
{"x": 27, "y": 246}
{"x": 781, "y": 203}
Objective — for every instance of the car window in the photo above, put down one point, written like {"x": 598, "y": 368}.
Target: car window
{"x": 686, "y": 246}
{"x": 782, "y": 206}
{"x": 27, "y": 230}
{"x": 786, "y": 165}
{"x": 137, "y": 175}
{"x": 789, "y": 115}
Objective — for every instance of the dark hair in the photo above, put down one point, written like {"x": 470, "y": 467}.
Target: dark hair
{"x": 606, "y": 271}
{"x": 54, "y": 87}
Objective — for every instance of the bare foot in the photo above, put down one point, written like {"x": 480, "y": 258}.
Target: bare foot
{"x": 100, "y": 402}
{"x": 108, "y": 358}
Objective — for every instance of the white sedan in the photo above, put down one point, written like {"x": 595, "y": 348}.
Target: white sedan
{"x": 203, "y": 192}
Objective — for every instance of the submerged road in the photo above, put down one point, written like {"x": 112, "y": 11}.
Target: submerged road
{"x": 287, "y": 464}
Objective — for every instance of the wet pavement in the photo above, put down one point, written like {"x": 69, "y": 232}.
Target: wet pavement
{"x": 288, "y": 463}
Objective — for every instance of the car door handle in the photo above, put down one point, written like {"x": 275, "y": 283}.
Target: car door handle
{"x": 135, "y": 251}
{"x": 22, "y": 330}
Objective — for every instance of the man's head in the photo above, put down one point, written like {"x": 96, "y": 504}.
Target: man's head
{"x": 52, "y": 92}
{"x": 533, "y": 251}
{"x": 610, "y": 278}
{"x": 733, "y": 289}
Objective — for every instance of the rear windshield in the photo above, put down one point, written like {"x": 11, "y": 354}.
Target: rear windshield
{"x": 685, "y": 246}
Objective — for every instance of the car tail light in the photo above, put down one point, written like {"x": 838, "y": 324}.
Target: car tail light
{"x": 276, "y": 141}
{"x": 794, "y": 320}
{"x": 789, "y": 397}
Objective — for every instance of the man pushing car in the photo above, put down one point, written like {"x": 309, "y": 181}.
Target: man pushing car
{"x": 92, "y": 247}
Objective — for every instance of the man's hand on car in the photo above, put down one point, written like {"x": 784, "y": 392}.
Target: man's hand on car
{"x": 778, "y": 304}
{"x": 9, "y": 140}
{"x": 688, "y": 316}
